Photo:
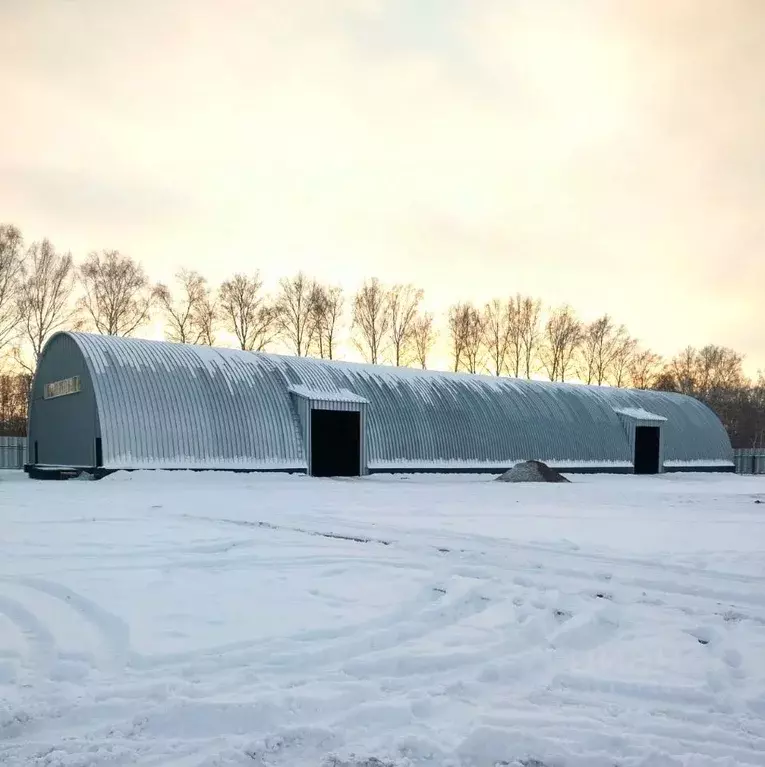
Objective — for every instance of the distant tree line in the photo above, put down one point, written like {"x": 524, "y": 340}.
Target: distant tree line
{"x": 43, "y": 290}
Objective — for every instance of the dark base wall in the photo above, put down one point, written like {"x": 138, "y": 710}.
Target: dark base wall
{"x": 574, "y": 470}
{"x": 36, "y": 472}
{"x": 700, "y": 469}
{"x": 502, "y": 470}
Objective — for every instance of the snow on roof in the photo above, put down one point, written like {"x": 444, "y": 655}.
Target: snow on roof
{"x": 639, "y": 414}
{"x": 339, "y": 395}
{"x": 176, "y": 403}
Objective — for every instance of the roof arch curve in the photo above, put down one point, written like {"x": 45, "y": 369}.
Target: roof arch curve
{"x": 165, "y": 405}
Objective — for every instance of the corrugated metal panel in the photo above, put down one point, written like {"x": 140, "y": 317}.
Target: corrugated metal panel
{"x": 13, "y": 452}
{"x": 184, "y": 406}
{"x": 750, "y": 461}
{"x": 177, "y": 406}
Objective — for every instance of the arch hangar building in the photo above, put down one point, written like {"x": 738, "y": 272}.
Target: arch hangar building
{"x": 102, "y": 404}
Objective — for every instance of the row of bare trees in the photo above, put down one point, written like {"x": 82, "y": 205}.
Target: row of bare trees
{"x": 43, "y": 290}
{"x": 514, "y": 337}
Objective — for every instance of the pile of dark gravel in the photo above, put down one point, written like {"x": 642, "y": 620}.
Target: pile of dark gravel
{"x": 532, "y": 471}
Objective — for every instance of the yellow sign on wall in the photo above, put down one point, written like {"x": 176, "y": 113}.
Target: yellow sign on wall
{"x": 62, "y": 388}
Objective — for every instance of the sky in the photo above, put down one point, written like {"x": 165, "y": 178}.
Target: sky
{"x": 610, "y": 155}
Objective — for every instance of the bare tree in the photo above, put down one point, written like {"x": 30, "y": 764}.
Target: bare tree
{"x": 371, "y": 319}
{"x": 682, "y": 372}
{"x": 327, "y": 308}
{"x": 562, "y": 336}
{"x": 206, "y": 316}
{"x": 703, "y": 372}
{"x": 602, "y": 342}
{"x": 524, "y": 334}
{"x": 295, "y": 312}
{"x": 423, "y": 337}
{"x": 467, "y": 336}
{"x": 714, "y": 374}
{"x": 515, "y": 336}
{"x": 644, "y": 368}
{"x": 756, "y": 421}
{"x": 182, "y": 313}
{"x": 719, "y": 368}
{"x": 624, "y": 353}
{"x": 403, "y": 302}
{"x": 498, "y": 319}
{"x": 530, "y": 332}
{"x": 246, "y": 312}
{"x": 14, "y": 400}
{"x": 11, "y": 265}
{"x": 117, "y": 297}
{"x": 457, "y": 333}
{"x": 48, "y": 280}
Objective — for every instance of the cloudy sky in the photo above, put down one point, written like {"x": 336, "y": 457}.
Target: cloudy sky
{"x": 606, "y": 154}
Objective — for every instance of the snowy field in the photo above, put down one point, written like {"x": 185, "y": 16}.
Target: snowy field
{"x": 184, "y": 620}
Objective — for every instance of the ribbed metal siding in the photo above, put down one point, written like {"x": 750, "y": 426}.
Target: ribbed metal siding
{"x": 185, "y": 406}
{"x": 418, "y": 417}
{"x": 432, "y": 418}
{"x": 13, "y": 452}
{"x": 692, "y": 432}
{"x": 178, "y": 406}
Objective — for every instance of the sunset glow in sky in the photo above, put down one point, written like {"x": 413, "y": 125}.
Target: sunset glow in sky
{"x": 606, "y": 154}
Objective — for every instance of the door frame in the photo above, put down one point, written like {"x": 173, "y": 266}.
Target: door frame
{"x": 306, "y": 400}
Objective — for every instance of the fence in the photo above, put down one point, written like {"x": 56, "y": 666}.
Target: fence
{"x": 13, "y": 452}
{"x": 749, "y": 461}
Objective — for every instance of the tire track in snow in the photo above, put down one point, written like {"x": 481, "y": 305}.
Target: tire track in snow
{"x": 437, "y": 617}
{"x": 499, "y": 548}
{"x": 40, "y": 641}
{"x": 473, "y": 543}
{"x": 487, "y": 567}
{"x": 112, "y": 632}
{"x": 419, "y": 619}
{"x": 607, "y": 735}
{"x": 210, "y": 658}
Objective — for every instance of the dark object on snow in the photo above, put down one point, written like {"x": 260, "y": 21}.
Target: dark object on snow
{"x": 532, "y": 471}
{"x": 758, "y": 501}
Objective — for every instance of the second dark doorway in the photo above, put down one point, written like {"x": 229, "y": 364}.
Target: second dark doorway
{"x": 647, "y": 445}
{"x": 335, "y": 443}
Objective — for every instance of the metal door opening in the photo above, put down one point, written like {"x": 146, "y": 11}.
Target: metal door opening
{"x": 335, "y": 443}
{"x": 647, "y": 448}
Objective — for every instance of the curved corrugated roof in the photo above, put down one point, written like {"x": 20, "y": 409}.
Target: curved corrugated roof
{"x": 173, "y": 405}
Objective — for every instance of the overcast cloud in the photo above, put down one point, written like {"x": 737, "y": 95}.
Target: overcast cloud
{"x": 611, "y": 155}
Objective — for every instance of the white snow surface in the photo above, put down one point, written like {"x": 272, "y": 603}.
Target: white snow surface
{"x": 210, "y": 620}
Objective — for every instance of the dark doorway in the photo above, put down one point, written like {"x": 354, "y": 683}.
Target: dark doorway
{"x": 647, "y": 442}
{"x": 335, "y": 443}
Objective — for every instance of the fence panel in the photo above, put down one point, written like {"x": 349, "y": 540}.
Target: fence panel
{"x": 749, "y": 461}
{"x": 13, "y": 452}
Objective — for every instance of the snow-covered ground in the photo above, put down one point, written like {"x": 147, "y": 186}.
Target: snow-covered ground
{"x": 208, "y": 619}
